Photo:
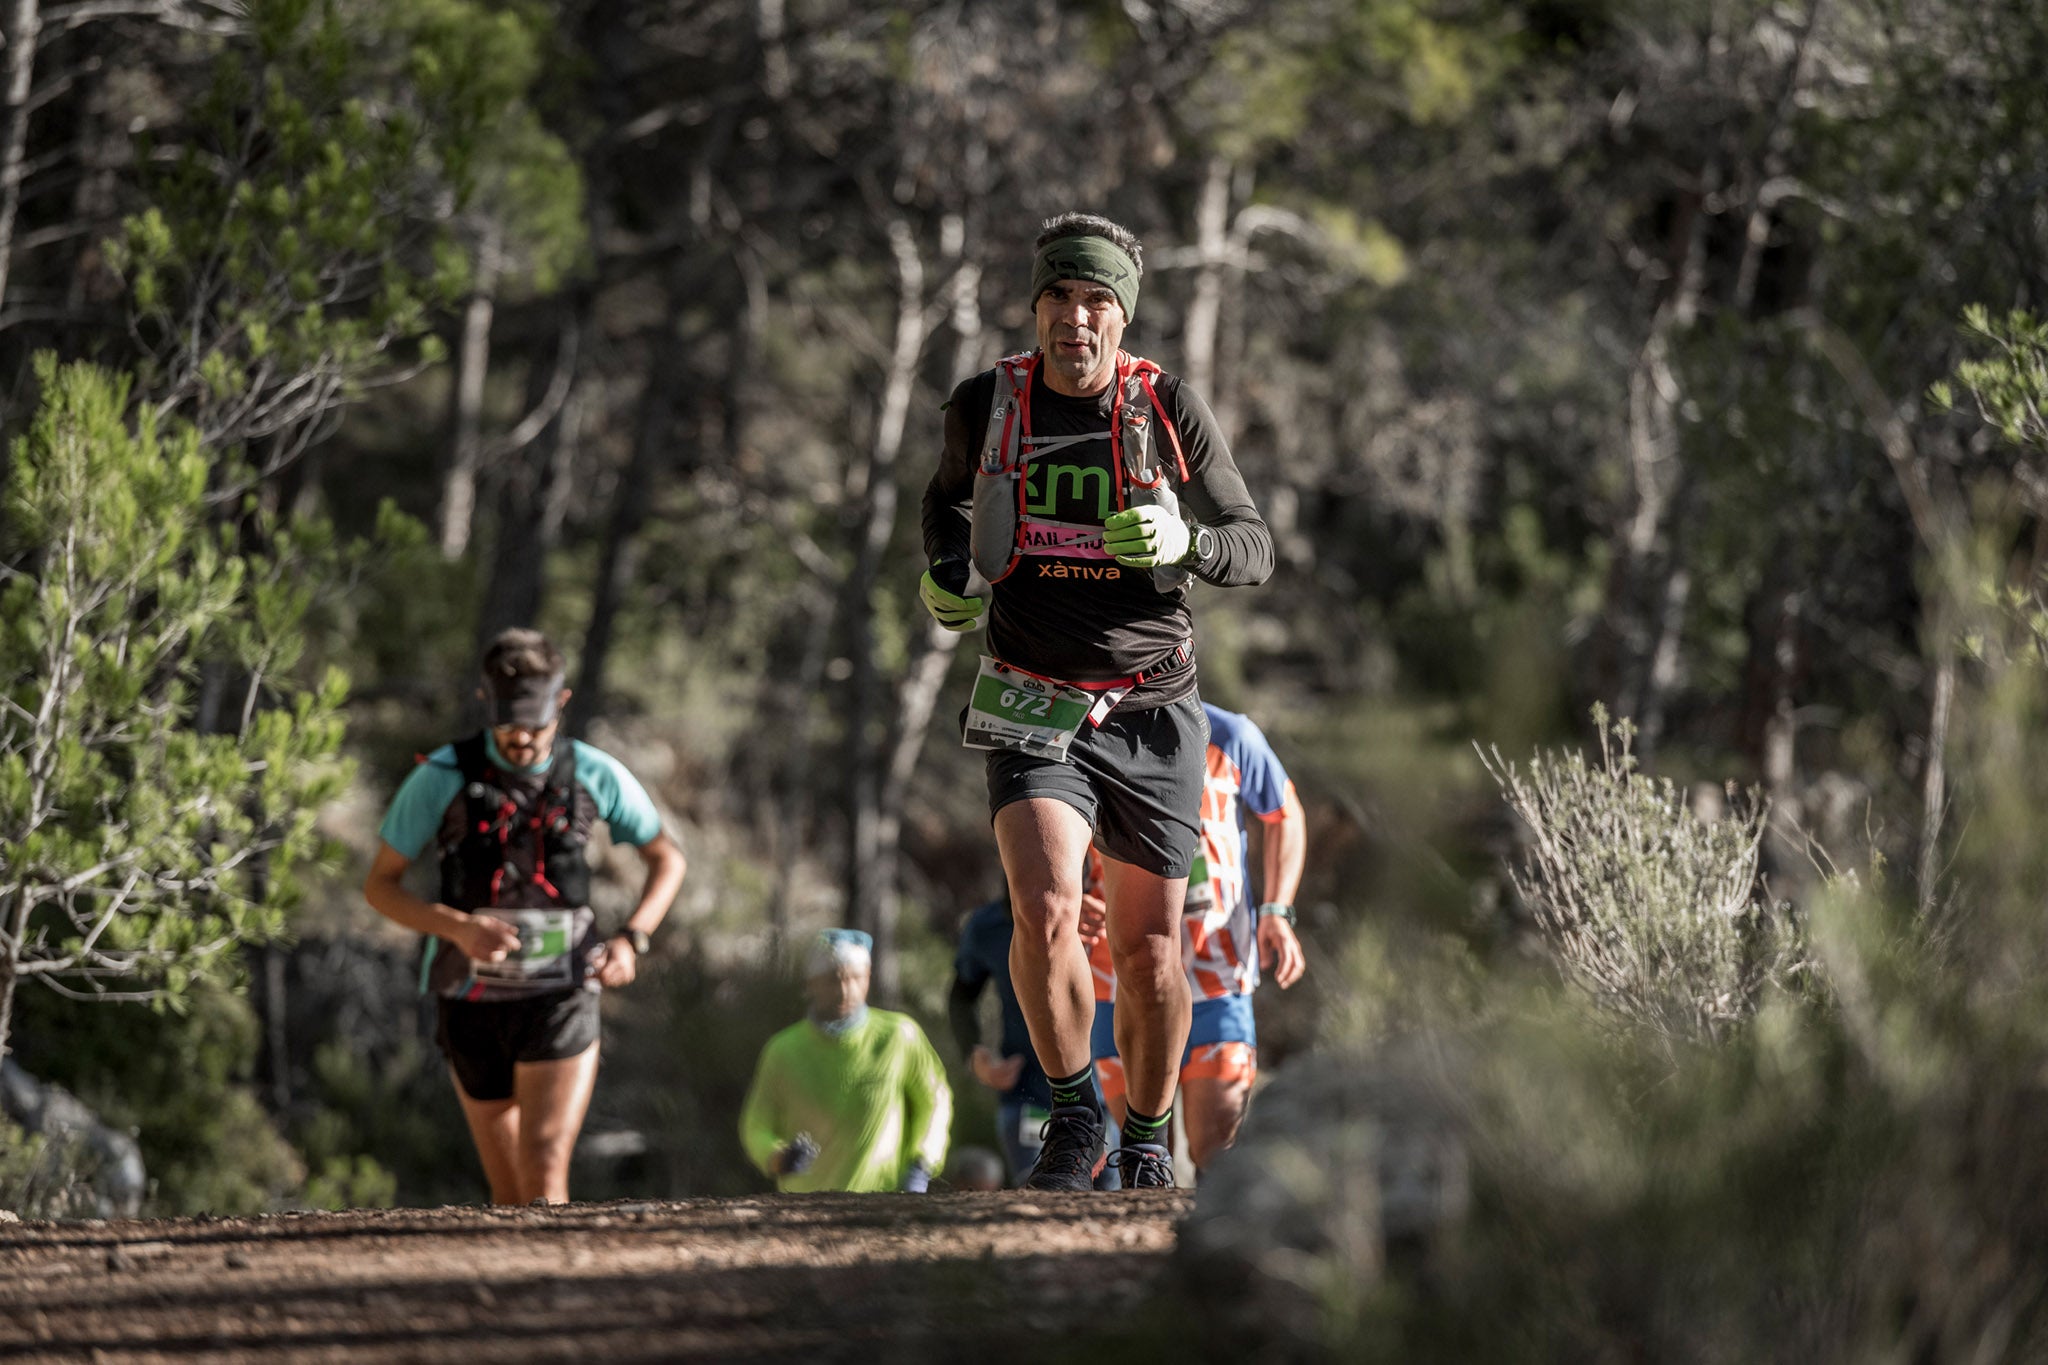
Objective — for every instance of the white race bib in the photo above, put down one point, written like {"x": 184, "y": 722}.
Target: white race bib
{"x": 543, "y": 957}
{"x": 1201, "y": 895}
{"x": 1014, "y": 710}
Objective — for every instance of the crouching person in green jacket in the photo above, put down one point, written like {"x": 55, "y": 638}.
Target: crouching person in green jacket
{"x": 852, "y": 1098}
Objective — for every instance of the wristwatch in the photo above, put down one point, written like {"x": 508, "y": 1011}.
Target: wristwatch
{"x": 1278, "y": 910}
{"x": 1201, "y": 545}
{"x": 638, "y": 938}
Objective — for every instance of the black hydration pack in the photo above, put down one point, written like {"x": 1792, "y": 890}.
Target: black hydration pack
{"x": 511, "y": 842}
{"x": 1001, "y": 529}
{"x": 514, "y": 842}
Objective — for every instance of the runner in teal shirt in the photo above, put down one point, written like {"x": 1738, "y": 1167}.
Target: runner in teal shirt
{"x": 422, "y": 801}
{"x": 513, "y": 955}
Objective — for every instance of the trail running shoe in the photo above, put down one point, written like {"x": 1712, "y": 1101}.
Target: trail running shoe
{"x": 1072, "y": 1154}
{"x": 1145, "y": 1166}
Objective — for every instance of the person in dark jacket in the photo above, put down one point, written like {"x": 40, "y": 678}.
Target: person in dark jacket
{"x": 1011, "y": 1069}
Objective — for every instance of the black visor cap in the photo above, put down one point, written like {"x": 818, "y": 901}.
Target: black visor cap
{"x": 528, "y": 701}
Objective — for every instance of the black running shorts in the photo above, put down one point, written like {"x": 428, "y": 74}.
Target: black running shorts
{"x": 483, "y": 1039}
{"x": 1136, "y": 778}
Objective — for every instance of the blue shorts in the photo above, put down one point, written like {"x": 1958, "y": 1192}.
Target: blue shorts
{"x": 1224, "y": 1019}
{"x": 1102, "y": 1033}
{"x": 1017, "y": 1130}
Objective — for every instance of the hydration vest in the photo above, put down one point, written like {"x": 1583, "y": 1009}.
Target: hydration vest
{"x": 510, "y": 842}
{"x": 1001, "y": 530}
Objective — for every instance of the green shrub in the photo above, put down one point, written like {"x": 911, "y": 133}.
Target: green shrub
{"x": 40, "y": 1178}
{"x": 180, "y": 1082}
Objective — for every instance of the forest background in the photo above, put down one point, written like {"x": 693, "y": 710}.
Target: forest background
{"x": 1576, "y": 351}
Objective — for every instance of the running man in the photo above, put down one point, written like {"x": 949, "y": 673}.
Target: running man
{"x": 850, "y": 1098}
{"x": 1087, "y": 487}
{"x": 1224, "y": 940}
{"x": 513, "y": 954}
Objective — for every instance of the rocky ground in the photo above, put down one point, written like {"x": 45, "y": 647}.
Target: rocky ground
{"x": 818, "y": 1277}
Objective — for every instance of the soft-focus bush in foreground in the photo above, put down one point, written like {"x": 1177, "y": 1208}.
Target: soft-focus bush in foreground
{"x": 1852, "y": 1167}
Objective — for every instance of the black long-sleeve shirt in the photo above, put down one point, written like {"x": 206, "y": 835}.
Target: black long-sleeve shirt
{"x": 1110, "y": 622}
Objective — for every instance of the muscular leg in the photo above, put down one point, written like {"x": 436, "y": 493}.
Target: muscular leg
{"x": 1043, "y": 842}
{"x": 1152, "y": 997}
{"x": 494, "y": 1126}
{"x": 552, "y": 1098}
{"x": 1212, "y": 1108}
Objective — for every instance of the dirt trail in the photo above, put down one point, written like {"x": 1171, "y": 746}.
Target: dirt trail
{"x": 817, "y": 1277}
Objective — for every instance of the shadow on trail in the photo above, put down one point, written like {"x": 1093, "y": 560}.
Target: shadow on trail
{"x": 888, "y": 1309}
{"x": 698, "y": 1217}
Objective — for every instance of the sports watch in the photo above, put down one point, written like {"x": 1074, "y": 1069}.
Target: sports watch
{"x": 638, "y": 938}
{"x": 1277, "y": 910}
{"x": 1201, "y": 544}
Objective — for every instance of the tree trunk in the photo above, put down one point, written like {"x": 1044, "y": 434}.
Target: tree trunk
{"x": 24, "y": 23}
{"x": 1661, "y": 677}
{"x": 1649, "y": 696}
{"x": 916, "y": 699}
{"x": 1627, "y": 632}
{"x": 1756, "y": 230}
{"x": 105, "y": 152}
{"x": 871, "y": 893}
{"x": 276, "y": 1040}
{"x": 1934, "y": 777}
{"x": 789, "y": 806}
{"x": 1205, "y": 303}
{"x": 917, "y": 695}
{"x": 667, "y": 375}
{"x": 10, "y": 956}
{"x": 533, "y": 496}
{"x": 1776, "y": 664}
{"x": 795, "y": 793}
{"x": 1226, "y": 399}
{"x": 744, "y": 358}
{"x": 472, "y": 365}
{"x": 770, "y": 25}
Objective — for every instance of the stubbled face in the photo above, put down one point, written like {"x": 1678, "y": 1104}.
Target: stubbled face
{"x": 836, "y": 994}
{"x": 1080, "y": 326}
{"x": 522, "y": 746}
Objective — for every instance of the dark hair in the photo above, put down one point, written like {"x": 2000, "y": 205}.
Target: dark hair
{"x": 522, "y": 653}
{"x": 1092, "y": 225}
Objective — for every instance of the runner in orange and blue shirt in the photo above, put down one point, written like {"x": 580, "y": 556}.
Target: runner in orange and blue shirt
{"x": 1224, "y": 938}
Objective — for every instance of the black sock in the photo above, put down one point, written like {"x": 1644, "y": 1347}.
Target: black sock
{"x": 1077, "y": 1089}
{"x": 1144, "y": 1128}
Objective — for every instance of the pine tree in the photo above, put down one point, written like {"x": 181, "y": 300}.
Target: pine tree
{"x": 138, "y": 845}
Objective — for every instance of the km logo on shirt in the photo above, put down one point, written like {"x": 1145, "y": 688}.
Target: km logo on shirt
{"x": 1045, "y": 486}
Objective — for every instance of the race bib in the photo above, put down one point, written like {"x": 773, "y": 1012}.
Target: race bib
{"x": 1013, "y": 710}
{"x": 1030, "y": 1126}
{"x": 543, "y": 957}
{"x": 1201, "y": 896}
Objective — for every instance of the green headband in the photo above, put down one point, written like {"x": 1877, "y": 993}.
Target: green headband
{"x": 1096, "y": 259}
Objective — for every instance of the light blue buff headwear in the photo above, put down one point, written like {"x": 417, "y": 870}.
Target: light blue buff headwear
{"x": 832, "y": 950}
{"x": 836, "y": 948}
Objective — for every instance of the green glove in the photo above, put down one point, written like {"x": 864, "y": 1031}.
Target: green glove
{"x": 1146, "y": 537}
{"x": 949, "y": 609}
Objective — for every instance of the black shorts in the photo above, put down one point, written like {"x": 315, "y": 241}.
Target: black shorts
{"x": 482, "y": 1039}
{"x": 1136, "y": 778}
